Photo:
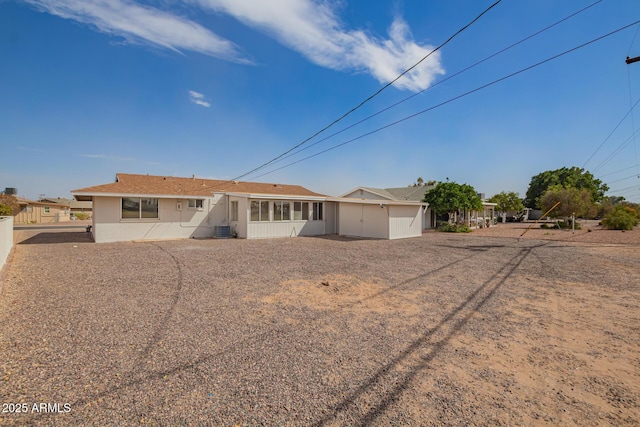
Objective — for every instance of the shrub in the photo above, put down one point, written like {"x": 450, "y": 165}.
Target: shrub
{"x": 564, "y": 225}
{"x": 621, "y": 218}
{"x": 5, "y": 210}
{"x": 567, "y": 225}
{"x": 454, "y": 228}
{"x": 11, "y": 201}
{"x": 81, "y": 215}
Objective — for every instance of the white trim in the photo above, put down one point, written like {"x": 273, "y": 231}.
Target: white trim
{"x": 384, "y": 202}
{"x": 368, "y": 190}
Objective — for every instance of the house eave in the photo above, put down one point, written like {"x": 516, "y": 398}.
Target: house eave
{"x": 383, "y": 202}
{"x": 82, "y": 196}
{"x": 275, "y": 196}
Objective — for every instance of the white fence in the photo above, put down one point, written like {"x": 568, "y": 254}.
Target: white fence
{"x": 6, "y": 238}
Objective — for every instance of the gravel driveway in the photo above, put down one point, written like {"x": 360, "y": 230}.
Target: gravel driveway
{"x": 444, "y": 329}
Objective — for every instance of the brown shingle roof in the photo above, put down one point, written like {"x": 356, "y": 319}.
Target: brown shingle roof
{"x": 175, "y": 186}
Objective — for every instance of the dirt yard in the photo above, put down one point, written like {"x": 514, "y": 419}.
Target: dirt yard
{"x": 447, "y": 329}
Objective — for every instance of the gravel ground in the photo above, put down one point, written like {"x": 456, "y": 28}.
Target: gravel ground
{"x": 445, "y": 329}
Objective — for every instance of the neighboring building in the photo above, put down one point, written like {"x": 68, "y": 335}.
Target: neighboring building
{"x": 74, "y": 205}
{"x": 393, "y": 212}
{"x": 32, "y": 212}
{"x": 145, "y": 207}
{"x": 411, "y": 194}
{"x": 415, "y": 195}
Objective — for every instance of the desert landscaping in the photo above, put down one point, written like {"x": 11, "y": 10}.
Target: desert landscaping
{"x": 485, "y": 328}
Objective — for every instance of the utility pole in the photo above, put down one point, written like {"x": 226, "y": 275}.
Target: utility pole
{"x": 632, "y": 60}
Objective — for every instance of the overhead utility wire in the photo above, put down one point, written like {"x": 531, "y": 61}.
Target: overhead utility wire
{"x": 617, "y": 151}
{"x": 454, "y": 98}
{"x": 633, "y": 187}
{"x": 635, "y": 175}
{"x": 621, "y": 170}
{"x": 435, "y": 84}
{"x": 372, "y": 96}
{"x": 614, "y": 129}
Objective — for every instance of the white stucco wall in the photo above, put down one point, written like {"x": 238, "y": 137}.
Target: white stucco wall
{"x": 108, "y": 226}
{"x": 6, "y": 238}
{"x": 261, "y": 230}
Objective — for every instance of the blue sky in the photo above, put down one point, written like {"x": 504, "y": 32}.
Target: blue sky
{"x": 215, "y": 88}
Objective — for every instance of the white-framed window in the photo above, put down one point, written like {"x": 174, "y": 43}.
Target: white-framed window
{"x": 259, "y": 210}
{"x": 317, "y": 211}
{"x": 281, "y": 211}
{"x": 234, "y": 210}
{"x": 301, "y": 211}
{"x": 139, "y": 207}
{"x": 47, "y": 209}
{"x": 196, "y": 203}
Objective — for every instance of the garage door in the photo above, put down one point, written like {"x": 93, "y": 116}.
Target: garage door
{"x": 364, "y": 220}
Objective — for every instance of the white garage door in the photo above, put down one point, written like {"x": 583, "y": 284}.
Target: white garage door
{"x": 361, "y": 220}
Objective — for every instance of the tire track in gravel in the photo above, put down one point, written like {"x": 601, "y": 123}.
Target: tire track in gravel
{"x": 160, "y": 330}
{"x": 448, "y": 326}
{"x": 161, "y": 327}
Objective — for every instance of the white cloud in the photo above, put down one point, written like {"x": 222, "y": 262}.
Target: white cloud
{"x": 313, "y": 29}
{"x": 107, "y": 157}
{"x": 198, "y": 98}
{"x": 143, "y": 24}
{"x": 310, "y": 27}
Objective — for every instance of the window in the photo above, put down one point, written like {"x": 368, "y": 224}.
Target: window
{"x": 234, "y": 211}
{"x": 281, "y": 211}
{"x": 46, "y": 209}
{"x": 196, "y": 203}
{"x": 301, "y": 211}
{"x": 259, "y": 210}
{"x": 139, "y": 207}
{"x": 317, "y": 211}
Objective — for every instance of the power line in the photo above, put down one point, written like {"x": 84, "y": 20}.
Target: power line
{"x": 454, "y": 98}
{"x": 635, "y": 175}
{"x": 622, "y": 146}
{"x": 621, "y": 170}
{"x": 622, "y": 190}
{"x": 293, "y": 153}
{"x": 374, "y": 94}
{"x": 612, "y": 132}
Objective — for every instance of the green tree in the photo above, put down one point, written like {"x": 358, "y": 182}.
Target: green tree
{"x": 507, "y": 202}
{"x": 419, "y": 182}
{"x": 450, "y": 197}
{"x": 572, "y": 201}
{"x": 573, "y": 177}
{"x": 10, "y": 201}
{"x": 5, "y": 210}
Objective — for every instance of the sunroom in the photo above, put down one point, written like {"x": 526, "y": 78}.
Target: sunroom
{"x": 255, "y": 216}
